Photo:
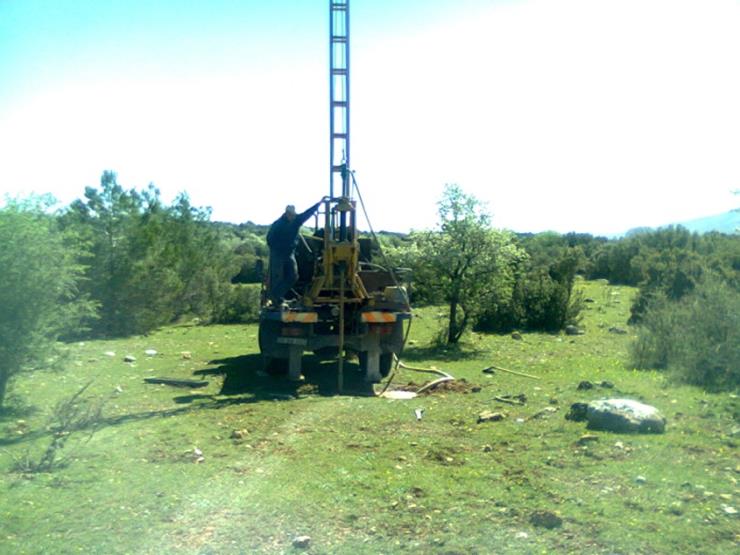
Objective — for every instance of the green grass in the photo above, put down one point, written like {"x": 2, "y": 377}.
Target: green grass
{"x": 361, "y": 474}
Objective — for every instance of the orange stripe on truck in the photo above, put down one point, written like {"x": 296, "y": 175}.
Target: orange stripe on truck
{"x": 300, "y": 317}
{"x": 377, "y": 317}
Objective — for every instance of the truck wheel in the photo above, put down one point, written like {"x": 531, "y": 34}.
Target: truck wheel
{"x": 268, "y": 333}
{"x": 385, "y": 363}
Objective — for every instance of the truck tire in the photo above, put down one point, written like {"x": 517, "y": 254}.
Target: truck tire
{"x": 273, "y": 361}
{"x": 385, "y": 363}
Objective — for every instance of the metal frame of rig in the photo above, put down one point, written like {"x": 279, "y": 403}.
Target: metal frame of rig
{"x": 342, "y": 300}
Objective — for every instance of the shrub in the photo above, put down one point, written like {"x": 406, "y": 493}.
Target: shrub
{"x": 243, "y": 304}
{"x": 39, "y": 278}
{"x": 542, "y": 298}
{"x": 697, "y": 339}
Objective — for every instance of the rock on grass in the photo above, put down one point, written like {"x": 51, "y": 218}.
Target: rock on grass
{"x": 545, "y": 519}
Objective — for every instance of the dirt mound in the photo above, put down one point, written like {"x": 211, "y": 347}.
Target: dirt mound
{"x": 454, "y": 386}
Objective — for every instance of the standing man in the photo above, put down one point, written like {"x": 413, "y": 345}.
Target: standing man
{"x": 282, "y": 240}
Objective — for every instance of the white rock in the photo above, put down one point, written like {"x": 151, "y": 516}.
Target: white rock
{"x": 624, "y": 415}
{"x": 109, "y": 353}
{"x": 150, "y": 352}
{"x": 301, "y": 542}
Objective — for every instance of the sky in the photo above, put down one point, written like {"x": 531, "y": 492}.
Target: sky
{"x": 593, "y": 116}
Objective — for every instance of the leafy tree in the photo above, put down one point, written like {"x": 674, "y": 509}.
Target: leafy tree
{"x": 150, "y": 263}
{"x": 39, "y": 295}
{"x": 464, "y": 262}
{"x": 106, "y": 220}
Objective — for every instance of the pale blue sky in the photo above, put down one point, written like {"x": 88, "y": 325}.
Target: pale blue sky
{"x": 586, "y": 115}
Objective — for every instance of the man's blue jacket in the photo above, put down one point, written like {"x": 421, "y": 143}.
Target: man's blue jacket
{"x": 283, "y": 235}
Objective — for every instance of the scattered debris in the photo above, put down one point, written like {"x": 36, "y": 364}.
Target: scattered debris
{"x": 186, "y": 355}
{"x": 489, "y": 416}
{"x": 519, "y": 399}
{"x": 586, "y": 385}
{"x": 545, "y": 519}
{"x": 522, "y": 535}
{"x": 129, "y": 358}
{"x": 177, "y": 383}
{"x": 545, "y": 413}
{"x": 301, "y": 542}
{"x": 485, "y": 371}
{"x": 197, "y": 455}
{"x": 728, "y": 510}
{"x": 419, "y": 413}
{"x": 239, "y": 434}
{"x": 587, "y": 438}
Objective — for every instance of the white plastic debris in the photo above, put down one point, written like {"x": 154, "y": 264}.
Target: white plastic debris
{"x": 399, "y": 394}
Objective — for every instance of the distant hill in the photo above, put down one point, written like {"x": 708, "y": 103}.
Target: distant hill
{"x": 729, "y": 222}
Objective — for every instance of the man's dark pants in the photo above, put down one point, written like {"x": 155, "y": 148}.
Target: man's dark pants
{"x": 283, "y": 275}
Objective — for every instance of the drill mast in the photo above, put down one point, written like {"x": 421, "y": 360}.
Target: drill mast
{"x": 339, "y": 98}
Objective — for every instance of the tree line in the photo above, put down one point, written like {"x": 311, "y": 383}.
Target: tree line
{"x": 121, "y": 261}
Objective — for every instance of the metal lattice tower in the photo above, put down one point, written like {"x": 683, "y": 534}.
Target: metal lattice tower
{"x": 339, "y": 96}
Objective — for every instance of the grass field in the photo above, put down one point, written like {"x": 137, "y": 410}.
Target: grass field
{"x": 248, "y": 463}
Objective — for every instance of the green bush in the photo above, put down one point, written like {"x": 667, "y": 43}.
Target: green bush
{"x": 542, "y": 298}
{"x": 39, "y": 278}
{"x": 697, "y": 338}
{"x": 242, "y": 304}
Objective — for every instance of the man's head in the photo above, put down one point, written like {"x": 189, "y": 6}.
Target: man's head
{"x": 290, "y": 212}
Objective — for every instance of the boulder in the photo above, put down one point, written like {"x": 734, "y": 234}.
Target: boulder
{"x": 624, "y": 415}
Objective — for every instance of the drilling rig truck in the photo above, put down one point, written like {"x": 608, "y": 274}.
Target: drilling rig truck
{"x": 343, "y": 301}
